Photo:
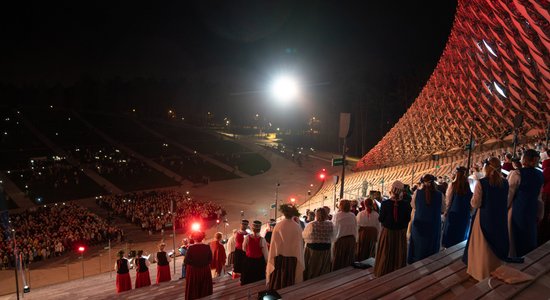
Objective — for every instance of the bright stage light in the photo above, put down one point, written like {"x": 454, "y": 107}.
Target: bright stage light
{"x": 196, "y": 227}
{"x": 285, "y": 88}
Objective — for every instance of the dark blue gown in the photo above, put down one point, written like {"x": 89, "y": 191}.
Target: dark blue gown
{"x": 524, "y": 211}
{"x": 426, "y": 227}
{"x": 493, "y": 214}
{"x": 455, "y": 229}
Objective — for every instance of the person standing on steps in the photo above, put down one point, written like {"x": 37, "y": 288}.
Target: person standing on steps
{"x": 163, "y": 265}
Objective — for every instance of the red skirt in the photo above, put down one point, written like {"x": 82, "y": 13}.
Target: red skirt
{"x": 163, "y": 273}
{"x": 143, "y": 279}
{"x": 123, "y": 282}
{"x": 198, "y": 282}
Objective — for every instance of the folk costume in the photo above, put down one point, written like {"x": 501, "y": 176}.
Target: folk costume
{"x": 240, "y": 255}
{"x": 525, "y": 208}
{"x": 544, "y": 226}
{"x": 163, "y": 267}
{"x": 218, "y": 258}
{"x": 457, "y": 222}
{"x": 285, "y": 265}
{"x": 198, "y": 279}
{"x": 426, "y": 225}
{"x": 317, "y": 255}
{"x": 395, "y": 215}
{"x": 142, "y": 272}
{"x": 230, "y": 249}
{"x": 255, "y": 247}
{"x": 488, "y": 243}
{"x": 369, "y": 229}
{"x": 345, "y": 239}
{"x": 123, "y": 280}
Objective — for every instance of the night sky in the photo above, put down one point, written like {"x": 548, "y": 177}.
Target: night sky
{"x": 241, "y": 45}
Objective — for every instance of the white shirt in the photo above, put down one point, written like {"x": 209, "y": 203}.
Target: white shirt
{"x": 364, "y": 219}
{"x": 344, "y": 224}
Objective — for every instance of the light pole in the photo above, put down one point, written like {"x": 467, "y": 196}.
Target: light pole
{"x": 276, "y": 198}
{"x": 81, "y": 249}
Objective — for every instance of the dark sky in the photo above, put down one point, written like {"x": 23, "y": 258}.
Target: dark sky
{"x": 51, "y": 41}
{"x": 376, "y": 52}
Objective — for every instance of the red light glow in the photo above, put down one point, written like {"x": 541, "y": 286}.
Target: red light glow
{"x": 196, "y": 227}
{"x": 81, "y": 249}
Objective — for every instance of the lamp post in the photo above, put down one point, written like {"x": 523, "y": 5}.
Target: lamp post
{"x": 276, "y": 198}
{"x": 81, "y": 249}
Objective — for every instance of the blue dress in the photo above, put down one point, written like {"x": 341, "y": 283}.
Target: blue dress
{"x": 426, "y": 227}
{"x": 524, "y": 211}
{"x": 493, "y": 214}
{"x": 455, "y": 229}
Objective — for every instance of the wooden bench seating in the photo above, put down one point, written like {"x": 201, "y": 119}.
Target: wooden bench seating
{"x": 537, "y": 264}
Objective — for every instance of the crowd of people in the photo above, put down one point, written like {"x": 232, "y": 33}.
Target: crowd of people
{"x": 152, "y": 210}
{"x": 46, "y": 174}
{"x": 50, "y": 231}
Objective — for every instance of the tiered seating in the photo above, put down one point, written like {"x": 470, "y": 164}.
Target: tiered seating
{"x": 81, "y": 142}
{"x": 537, "y": 264}
{"x": 440, "y": 276}
{"x": 127, "y": 132}
{"x": 222, "y": 149}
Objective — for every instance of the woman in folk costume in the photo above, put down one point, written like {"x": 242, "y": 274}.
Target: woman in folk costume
{"x": 457, "y": 214}
{"x": 122, "y": 268}
{"x": 240, "y": 255}
{"x": 426, "y": 225}
{"x": 218, "y": 255}
{"x": 230, "y": 249}
{"x": 525, "y": 204}
{"x": 318, "y": 238}
{"x": 369, "y": 229}
{"x": 345, "y": 236}
{"x": 163, "y": 265}
{"x": 544, "y": 225}
{"x": 198, "y": 279}
{"x": 285, "y": 265}
{"x": 142, "y": 270}
{"x": 395, "y": 215}
{"x": 488, "y": 243}
{"x": 255, "y": 247}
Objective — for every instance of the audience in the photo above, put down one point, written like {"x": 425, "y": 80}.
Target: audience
{"x": 51, "y": 230}
{"x": 151, "y": 210}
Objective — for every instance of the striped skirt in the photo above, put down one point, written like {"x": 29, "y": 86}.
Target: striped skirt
{"x": 284, "y": 274}
{"x": 344, "y": 252}
{"x": 392, "y": 251}
{"x": 317, "y": 263}
{"x": 366, "y": 246}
